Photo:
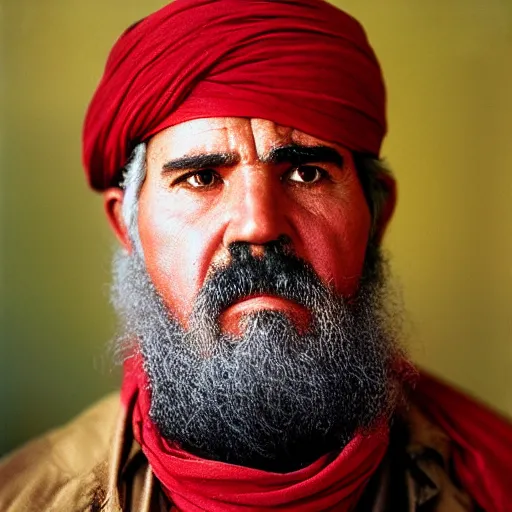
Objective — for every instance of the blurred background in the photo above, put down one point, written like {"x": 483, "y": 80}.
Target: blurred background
{"x": 448, "y": 67}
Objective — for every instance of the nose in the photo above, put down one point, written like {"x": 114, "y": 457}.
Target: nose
{"x": 257, "y": 208}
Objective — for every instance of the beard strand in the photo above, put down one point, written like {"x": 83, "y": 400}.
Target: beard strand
{"x": 272, "y": 398}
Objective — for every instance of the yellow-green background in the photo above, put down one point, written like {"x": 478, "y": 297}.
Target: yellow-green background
{"x": 448, "y": 65}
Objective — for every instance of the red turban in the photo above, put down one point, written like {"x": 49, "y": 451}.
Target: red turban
{"x": 299, "y": 63}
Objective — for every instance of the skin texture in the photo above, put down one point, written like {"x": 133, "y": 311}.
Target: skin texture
{"x": 186, "y": 227}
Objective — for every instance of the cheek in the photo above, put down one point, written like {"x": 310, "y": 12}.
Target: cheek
{"x": 334, "y": 239}
{"x": 177, "y": 249}
{"x": 180, "y": 240}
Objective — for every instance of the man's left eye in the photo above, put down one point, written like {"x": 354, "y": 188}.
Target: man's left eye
{"x": 306, "y": 174}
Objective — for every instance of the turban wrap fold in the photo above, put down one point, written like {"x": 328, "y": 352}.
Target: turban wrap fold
{"x": 299, "y": 63}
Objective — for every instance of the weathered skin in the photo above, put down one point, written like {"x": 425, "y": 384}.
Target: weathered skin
{"x": 185, "y": 229}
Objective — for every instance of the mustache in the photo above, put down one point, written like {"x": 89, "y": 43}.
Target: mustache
{"x": 278, "y": 271}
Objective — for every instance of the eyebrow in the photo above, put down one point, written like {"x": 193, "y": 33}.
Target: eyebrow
{"x": 298, "y": 154}
{"x": 295, "y": 154}
{"x": 201, "y": 161}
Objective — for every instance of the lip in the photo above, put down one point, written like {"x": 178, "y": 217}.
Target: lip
{"x": 234, "y": 313}
{"x": 263, "y": 301}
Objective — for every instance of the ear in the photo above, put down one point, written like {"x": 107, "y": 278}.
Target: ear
{"x": 113, "y": 201}
{"x": 388, "y": 183}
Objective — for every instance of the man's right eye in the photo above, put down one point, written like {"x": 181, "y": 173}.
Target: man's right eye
{"x": 202, "y": 179}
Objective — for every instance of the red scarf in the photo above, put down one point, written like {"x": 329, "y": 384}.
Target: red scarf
{"x": 481, "y": 444}
{"x": 194, "y": 484}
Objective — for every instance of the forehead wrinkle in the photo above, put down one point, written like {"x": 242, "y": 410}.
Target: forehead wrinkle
{"x": 191, "y": 138}
{"x": 242, "y": 140}
{"x": 217, "y": 138}
{"x": 303, "y": 139}
{"x": 268, "y": 135}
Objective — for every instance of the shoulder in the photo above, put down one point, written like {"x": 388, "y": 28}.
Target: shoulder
{"x": 58, "y": 468}
{"x": 471, "y": 438}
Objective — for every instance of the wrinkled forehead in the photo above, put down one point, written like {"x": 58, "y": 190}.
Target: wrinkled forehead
{"x": 245, "y": 137}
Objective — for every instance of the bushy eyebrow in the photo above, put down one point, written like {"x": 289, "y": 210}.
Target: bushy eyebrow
{"x": 297, "y": 154}
{"x": 294, "y": 154}
{"x": 201, "y": 161}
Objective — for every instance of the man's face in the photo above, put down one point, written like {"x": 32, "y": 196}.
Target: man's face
{"x": 257, "y": 301}
{"x": 212, "y": 182}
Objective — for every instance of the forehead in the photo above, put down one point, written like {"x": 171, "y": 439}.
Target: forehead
{"x": 247, "y": 137}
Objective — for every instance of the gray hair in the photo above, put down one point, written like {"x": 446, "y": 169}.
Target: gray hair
{"x": 134, "y": 174}
{"x": 369, "y": 170}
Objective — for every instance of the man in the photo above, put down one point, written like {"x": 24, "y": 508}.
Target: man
{"x": 236, "y": 144}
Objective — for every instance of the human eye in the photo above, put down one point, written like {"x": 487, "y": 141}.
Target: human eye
{"x": 205, "y": 178}
{"x": 306, "y": 174}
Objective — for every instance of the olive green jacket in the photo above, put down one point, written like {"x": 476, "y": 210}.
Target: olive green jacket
{"x": 94, "y": 464}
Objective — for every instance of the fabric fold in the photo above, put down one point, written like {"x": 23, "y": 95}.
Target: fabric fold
{"x": 304, "y": 64}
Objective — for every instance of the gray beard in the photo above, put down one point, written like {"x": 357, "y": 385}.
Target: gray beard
{"x": 272, "y": 398}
